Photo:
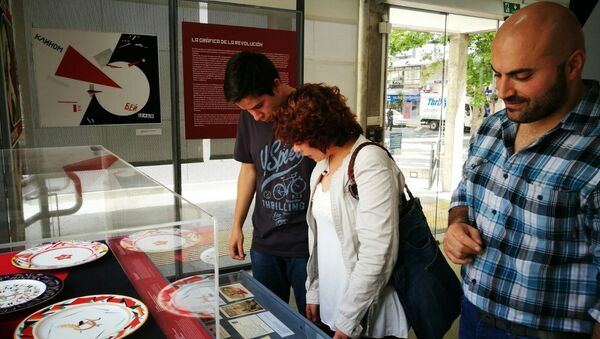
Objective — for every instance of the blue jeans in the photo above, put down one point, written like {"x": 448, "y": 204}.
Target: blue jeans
{"x": 278, "y": 274}
{"x": 472, "y": 327}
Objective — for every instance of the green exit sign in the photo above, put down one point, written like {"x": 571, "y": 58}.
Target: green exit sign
{"x": 511, "y": 7}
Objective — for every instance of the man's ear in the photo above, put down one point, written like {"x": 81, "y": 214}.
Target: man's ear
{"x": 276, "y": 86}
{"x": 575, "y": 63}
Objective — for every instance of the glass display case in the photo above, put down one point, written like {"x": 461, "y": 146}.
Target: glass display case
{"x": 92, "y": 247}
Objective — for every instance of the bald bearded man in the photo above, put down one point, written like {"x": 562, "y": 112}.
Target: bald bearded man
{"x": 525, "y": 219}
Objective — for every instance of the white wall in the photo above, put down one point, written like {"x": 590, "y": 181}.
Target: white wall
{"x": 330, "y": 45}
{"x": 591, "y": 29}
{"x": 330, "y": 41}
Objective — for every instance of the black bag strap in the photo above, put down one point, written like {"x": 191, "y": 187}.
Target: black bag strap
{"x": 353, "y": 188}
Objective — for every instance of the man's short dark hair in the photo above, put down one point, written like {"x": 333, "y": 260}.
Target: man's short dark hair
{"x": 248, "y": 74}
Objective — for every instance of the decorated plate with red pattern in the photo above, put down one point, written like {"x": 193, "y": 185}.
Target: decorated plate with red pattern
{"x": 92, "y": 316}
{"x": 59, "y": 254}
{"x": 162, "y": 240}
{"x": 208, "y": 256}
{"x": 23, "y": 290}
{"x": 193, "y": 296}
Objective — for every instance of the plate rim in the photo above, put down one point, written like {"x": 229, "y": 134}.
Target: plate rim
{"x": 17, "y": 262}
{"x": 172, "y": 230}
{"x": 39, "y": 299}
{"x": 173, "y": 287}
{"x": 128, "y": 329}
{"x": 203, "y": 255}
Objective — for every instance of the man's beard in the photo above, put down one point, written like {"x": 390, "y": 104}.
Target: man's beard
{"x": 544, "y": 105}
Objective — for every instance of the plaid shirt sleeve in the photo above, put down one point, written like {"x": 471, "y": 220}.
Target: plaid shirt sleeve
{"x": 459, "y": 196}
{"x": 593, "y": 220}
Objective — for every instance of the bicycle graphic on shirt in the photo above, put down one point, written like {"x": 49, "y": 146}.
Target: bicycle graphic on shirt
{"x": 292, "y": 184}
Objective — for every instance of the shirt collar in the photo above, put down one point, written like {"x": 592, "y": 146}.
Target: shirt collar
{"x": 584, "y": 117}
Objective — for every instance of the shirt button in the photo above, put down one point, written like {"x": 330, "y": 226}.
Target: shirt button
{"x": 494, "y": 212}
{"x": 505, "y": 176}
{"x": 473, "y": 281}
{"x": 540, "y": 197}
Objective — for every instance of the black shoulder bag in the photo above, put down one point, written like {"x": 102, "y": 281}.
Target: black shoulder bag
{"x": 426, "y": 285}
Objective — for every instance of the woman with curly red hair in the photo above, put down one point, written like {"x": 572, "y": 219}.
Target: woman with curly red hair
{"x": 353, "y": 244}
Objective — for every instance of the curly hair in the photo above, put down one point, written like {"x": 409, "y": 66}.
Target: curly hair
{"x": 316, "y": 114}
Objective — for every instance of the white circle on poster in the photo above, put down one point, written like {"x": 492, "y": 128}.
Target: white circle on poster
{"x": 133, "y": 94}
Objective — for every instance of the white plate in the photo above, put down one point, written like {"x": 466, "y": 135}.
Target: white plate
{"x": 208, "y": 256}
{"x": 162, "y": 240}
{"x": 94, "y": 316}
{"x": 193, "y": 296}
{"x": 59, "y": 254}
{"x": 23, "y": 290}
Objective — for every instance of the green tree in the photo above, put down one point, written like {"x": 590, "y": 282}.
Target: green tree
{"x": 401, "y": 41}
{"x": 479, "y": 74}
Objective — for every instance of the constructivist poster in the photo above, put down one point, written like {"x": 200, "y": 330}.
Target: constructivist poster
{"x": 95, "y": 78}
{"x": 206, "y": 50}
{"x": 9, "y": 70}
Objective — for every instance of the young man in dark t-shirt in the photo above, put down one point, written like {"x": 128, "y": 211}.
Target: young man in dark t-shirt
{"x": 271, "y": 172}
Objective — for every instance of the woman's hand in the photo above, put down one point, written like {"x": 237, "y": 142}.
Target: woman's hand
{"x": 312, "y": 313}
{"x": 340, "y": 335}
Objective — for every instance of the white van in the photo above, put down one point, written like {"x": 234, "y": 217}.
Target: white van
{"x": 429, "y": 111}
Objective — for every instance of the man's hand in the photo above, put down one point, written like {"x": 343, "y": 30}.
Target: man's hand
{"x": 462, "y": 242}
{"x": 236, "y": 244}
{"x": 312, "y": 313}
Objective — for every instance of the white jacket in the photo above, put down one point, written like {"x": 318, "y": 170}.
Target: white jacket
{"x": 367, "y": 230}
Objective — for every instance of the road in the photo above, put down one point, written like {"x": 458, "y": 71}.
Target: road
{"x": 417, "y": 154}
{"x": 422, "y": 137}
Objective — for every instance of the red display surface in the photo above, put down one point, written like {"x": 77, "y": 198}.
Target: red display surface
{"x": 206, "y": 50}
{"x": 9, "y": 322}
{"x": 148, "y": 282}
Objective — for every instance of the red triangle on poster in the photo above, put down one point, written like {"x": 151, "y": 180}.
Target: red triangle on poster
{"x": 75, "y": 66}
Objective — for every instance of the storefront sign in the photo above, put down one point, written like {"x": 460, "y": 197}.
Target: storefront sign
{"x": 395, "y": 140}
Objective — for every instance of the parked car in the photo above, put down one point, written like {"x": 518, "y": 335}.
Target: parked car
{"x": 398, "y": 119}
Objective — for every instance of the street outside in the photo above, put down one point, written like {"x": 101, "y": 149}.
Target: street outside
{"x": 418, "y": 148}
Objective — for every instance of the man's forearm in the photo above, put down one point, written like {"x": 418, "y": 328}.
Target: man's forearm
{"x": 244, "y": 195}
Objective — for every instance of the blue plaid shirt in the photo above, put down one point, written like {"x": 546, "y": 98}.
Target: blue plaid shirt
{"x": 538, "y": 213}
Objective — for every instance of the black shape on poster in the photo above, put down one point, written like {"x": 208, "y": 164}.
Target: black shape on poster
{"x": 137, "y": 51}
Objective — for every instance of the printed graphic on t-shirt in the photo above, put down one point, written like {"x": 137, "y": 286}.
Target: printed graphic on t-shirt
{"x": 283, "y": 186}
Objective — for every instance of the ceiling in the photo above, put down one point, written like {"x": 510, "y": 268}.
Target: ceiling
{"x": 436, "y": 22}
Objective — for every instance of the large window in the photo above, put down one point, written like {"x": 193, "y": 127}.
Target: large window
{"x": 439, "y": 87}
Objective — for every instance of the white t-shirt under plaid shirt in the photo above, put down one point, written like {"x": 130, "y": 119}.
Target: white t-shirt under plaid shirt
{"x": 538, "y": 213}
